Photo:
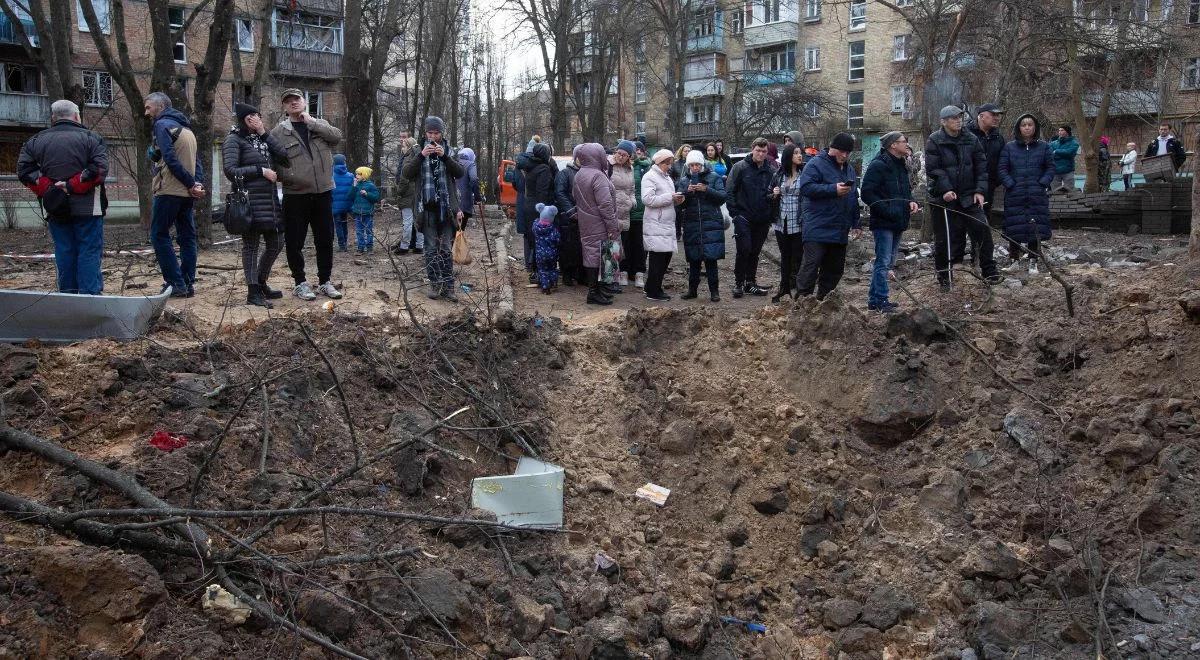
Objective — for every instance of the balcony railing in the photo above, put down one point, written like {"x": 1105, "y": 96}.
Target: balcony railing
{"x": 766, "y": 34}
{"x": 309, "y": 63}
{"x": 703, "y": 87}
{"x": 8, "y": 35}
{"x": 326, "y": 7}
{"x": 710, "y": 42}
{"x": 764, "y": 78}
{"x": 24, "y": 109}
{"x": 701, "y": 129}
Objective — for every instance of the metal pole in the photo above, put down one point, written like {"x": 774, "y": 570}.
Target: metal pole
{"x": 949, "y": 264}
{"x": 487, "y": 241}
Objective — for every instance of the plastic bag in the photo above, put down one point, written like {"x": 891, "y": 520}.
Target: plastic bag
{"x": 461, "y": 251}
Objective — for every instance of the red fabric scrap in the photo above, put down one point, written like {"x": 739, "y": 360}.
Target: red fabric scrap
{"x": 167, "y": 442}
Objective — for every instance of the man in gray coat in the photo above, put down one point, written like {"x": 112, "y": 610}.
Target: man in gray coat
{"x": 434, "y": 169}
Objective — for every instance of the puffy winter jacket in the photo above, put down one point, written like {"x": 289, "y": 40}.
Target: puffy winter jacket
{"x": 240, "y": 156}
{"x": 749, "y": 189}
{"x": 67, "y": 152}
{"x": 343, "y": 184}
{"x": 955, "y": 163}
{"x": 406, "y": 191}
{"x": 539, "y": 179}
{"x": 640, "y": 167}
{"x": 411, "y": 170}
{"x": 827, "y": 217}
{"x": 700, "y": 215}
{"x": 364, "y": 204}
{"x": 886, "y": 191}
{"x": 1026, "y": 170}
{"x": 623, "y": 196}
{"x": 595, "y": 210}
{"x": 469, "y": 193}
{"x": 992, "y": 143}
{"x": 1064, "y": 150}
{"x": 564, "y": 198}
{"x": 658, "y": 222}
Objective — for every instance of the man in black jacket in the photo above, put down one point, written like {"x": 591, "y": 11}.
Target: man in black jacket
{"x": 570, "y": 251}
{"x": 65, "y": 166}
{"x": 985, "y": 128}
{"x": 956, "y": 165}
{"x": 747, "y": 191}
{"x": 1167, "y": 144}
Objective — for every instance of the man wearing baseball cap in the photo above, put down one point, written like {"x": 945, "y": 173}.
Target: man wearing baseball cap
{"x": 986, "y": 128}
{"x": 956, "y": 165}
{"x": 307, "y": 191}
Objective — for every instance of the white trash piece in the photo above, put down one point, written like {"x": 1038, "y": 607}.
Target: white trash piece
{"x": 653, "y": 493}
{"x": 530, "y": 497}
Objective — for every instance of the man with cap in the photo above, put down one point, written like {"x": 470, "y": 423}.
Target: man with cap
{"x": 985, "y": 128}
{"x": 307, "y": 191}
{"x": 829, "y": 186}
{"x": 434, "y": 169}
{"x": 956, "y": 165}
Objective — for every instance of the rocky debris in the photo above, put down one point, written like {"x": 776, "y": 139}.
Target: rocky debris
{"x": 224, "y": 606}
{"x": 946, "y": 492}
{"x": 461, "y": 535}
{"x": 920, "y": 325}
{"x": 593, "y": 599}
{"x": 993, "y": 629}
{"x": 188, "y": 390}
{"x": 611, "y": 638}
{"x": 1130, "y": 450}
{"x": 1029, "y": 431}
{"x": 1143, "y": 603}
{"x": 812, "y": 537}
{"x": 679, "y": 437}
{"x": 599, "y": 482}
{"x": 992, "y": 560}
{"x": 16, "y": 364}
{"x": 687, "y": 626}
{"x": 886, "y": 606}
{"x": 1058, "y": 350}
{"x": 1190, "y": 302}
{"x": 529, "y": 617}
{"x": 445, "y": 596}
{"x": 770, "y": 499}
{"x": 735, "y": 531}
{"x": 840, "y": 613}
{"x": 897, "y": 409}
{"x": 411, "y": 466}
{"x": 827, "y": 551}
{"x": 722, "y": 563}
{"x": 327, "y": 613}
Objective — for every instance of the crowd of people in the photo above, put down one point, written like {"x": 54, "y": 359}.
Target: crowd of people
{"x": 606, "y": 220}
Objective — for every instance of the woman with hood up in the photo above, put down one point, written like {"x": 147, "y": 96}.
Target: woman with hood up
{"x": 596, "y": 212}
{"x": 469, "y": 194}
{"x": 1026, "y": 171}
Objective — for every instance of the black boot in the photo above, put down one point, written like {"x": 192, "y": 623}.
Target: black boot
{"x": 595, "y": 294}
{"x": 254, "y": 296}
{"x": 269, "y": 293}
{"x": 691, "y": 294}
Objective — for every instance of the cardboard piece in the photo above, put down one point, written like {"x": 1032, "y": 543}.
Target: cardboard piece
{"x": 653, "y": 493}
{"x": 530, "y": 497}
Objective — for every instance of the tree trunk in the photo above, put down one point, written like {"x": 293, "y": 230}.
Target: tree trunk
{"x": 1194, "y": 239}
{"x": 208, "y": 76}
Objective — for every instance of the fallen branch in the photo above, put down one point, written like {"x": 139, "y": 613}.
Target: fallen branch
{"x": 90, "y": 531}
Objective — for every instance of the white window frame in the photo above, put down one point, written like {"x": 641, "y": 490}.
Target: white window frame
{"x": 858, "y": 15}
{"x": 812, "y": 11}
{"x": 812, "y": 58}
{"x": 902, "y": 93}
{"x": 703, "y": 25}
{"x": 900, "y": 44}
{"x": 308, "y": 102}
{"x": 776, "y": 58}
{"x": 862, "y": 63}
{"x": 182, "y": 43}
{"x": 850, "y": 106}
{"x": 737, "y": 20}
{"x": 1140, "y": 11}
{"x": 103, "y": 9}
{"x": 640, "y": 87}
{"x": 299, "y": 30}
{"x": 248, "y": 25}
{"x": 812, "y": 109}
{"x": 639, "y": 122}
{"x": 97, "y": 77}
{"x": 772, "y": 10}
{"x": 1191, "y": 73}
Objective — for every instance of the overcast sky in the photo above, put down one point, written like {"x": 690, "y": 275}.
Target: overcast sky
{"x": 488, "y": 15}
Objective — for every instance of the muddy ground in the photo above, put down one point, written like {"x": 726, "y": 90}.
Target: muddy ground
{"x": 1018, "y": 484}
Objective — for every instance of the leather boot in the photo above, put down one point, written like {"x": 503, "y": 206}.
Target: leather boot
{"x": 269, "y": 293}
{"x": 254, "y": 296}
{"x": 595, "y": 294}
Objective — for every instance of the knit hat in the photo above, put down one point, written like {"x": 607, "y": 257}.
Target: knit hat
{"x": 889, "y": 138}
{"x": 695, "y": 157}
{"x": 661, "y": 155}
{"x": 243, "y": 110}
{"x": 640, "y": 144}
{"x": 843, "y": 142}
{"x": 433, "y": 123}
{"x": 533, "y": 142}
{"x": 950, "y": 112}
{"x": 339, "y": 159}
{"x": 546, "y": 213}
{"x": 364, "y": 172}
{"x": 1104, "y": 140}
{"x": 627, "y": 146}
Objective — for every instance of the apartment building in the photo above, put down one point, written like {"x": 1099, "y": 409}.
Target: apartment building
{"x": 304, "y": 45}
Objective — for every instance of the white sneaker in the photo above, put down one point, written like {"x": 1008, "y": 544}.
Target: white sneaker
{"x": 329, "y": 291}
{"x": 304, "y": 292}
{"x": 1014, "y": 267}
{"x": 1033, "y": 269}
{"x": 640, "y": 280}
{"x": 623, "y": 278}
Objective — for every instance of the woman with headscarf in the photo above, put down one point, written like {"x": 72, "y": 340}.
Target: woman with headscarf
{"x": 596, "y": 212}
{"x": 249, "y": 157}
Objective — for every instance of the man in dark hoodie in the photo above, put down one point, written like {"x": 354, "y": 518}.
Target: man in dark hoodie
{"x": 957, "y": 168}
{"x": 747, "y": 191}
{"x": 175, "y": 166}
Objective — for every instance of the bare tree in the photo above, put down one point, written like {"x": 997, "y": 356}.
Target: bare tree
{"x": 52, "y": 54}
{"x": 371, "y": 26}
{"x": 550, "y": 24}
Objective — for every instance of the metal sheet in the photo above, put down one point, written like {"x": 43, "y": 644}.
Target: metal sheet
{"x": 62, "y": 318}
{"x": 531, "y": 497}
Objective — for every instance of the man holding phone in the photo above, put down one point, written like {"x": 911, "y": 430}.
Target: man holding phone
{"x": 748, "y": 191}
{"x": 434, "y": 169}
{"x": 829, "y": 185}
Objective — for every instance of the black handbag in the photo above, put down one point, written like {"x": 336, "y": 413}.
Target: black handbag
{"x": 237, "y": 209}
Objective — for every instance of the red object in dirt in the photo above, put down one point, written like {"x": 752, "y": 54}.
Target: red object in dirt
{"x": 167, "y": 441}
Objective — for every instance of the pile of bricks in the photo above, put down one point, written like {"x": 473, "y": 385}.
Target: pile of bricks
{"x": 1157, "y": 208}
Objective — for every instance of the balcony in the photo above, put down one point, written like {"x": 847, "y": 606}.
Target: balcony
{"x": 765, "y": 78}
{"x": 582, "y": 63}
{"x": 305, "y": 63}
{"x": 711, "y": 42}
{"x": 701, "y": 130}
{"x": 8, "y": 35}
{"x": 767, "y": 34}
{"x": 1123, "y": 103}
{"x": 24, "y": 109}
{"x": 325, "y": 7}
{"x": 703, "y": 87}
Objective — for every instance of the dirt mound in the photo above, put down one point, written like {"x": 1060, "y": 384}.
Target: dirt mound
{"x": 1008, "y": 482}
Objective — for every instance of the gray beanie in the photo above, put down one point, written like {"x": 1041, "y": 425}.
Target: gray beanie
{"x": 888, "y": 138}
{"x": 433, "y": 123}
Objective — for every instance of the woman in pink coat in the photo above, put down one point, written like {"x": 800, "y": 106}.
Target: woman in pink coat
{"x": 596, "y": 213}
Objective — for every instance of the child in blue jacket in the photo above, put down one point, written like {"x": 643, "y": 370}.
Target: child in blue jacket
{"x": 546, "y": 236}
{"x": 343, "y": 181}
{"x": 363, "y": 197}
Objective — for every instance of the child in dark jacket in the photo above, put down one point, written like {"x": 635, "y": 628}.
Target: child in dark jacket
{"x": 343, "y": 181}
{"x": 546, "y": 235}
{"x": 363, "y": 197}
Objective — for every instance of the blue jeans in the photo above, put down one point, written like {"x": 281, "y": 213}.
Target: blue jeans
{"x": 887, "y": 244}
{"x": 78, "y": 246}
{"x": 171, "y": 211}
{"x": 364, "y": 231}
{"x": 339, "y": 228}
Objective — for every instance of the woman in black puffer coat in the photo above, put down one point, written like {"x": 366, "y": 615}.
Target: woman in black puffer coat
{"x": 251, "y": 153}
{"x": 1026, "y": 170}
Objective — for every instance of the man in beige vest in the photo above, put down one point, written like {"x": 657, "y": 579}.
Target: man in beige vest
{"x": 307, "y": 191}
{"x": 175, "y": 165}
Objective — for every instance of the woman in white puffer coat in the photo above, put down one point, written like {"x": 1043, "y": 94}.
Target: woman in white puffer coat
{"x": 658, "y": 222}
